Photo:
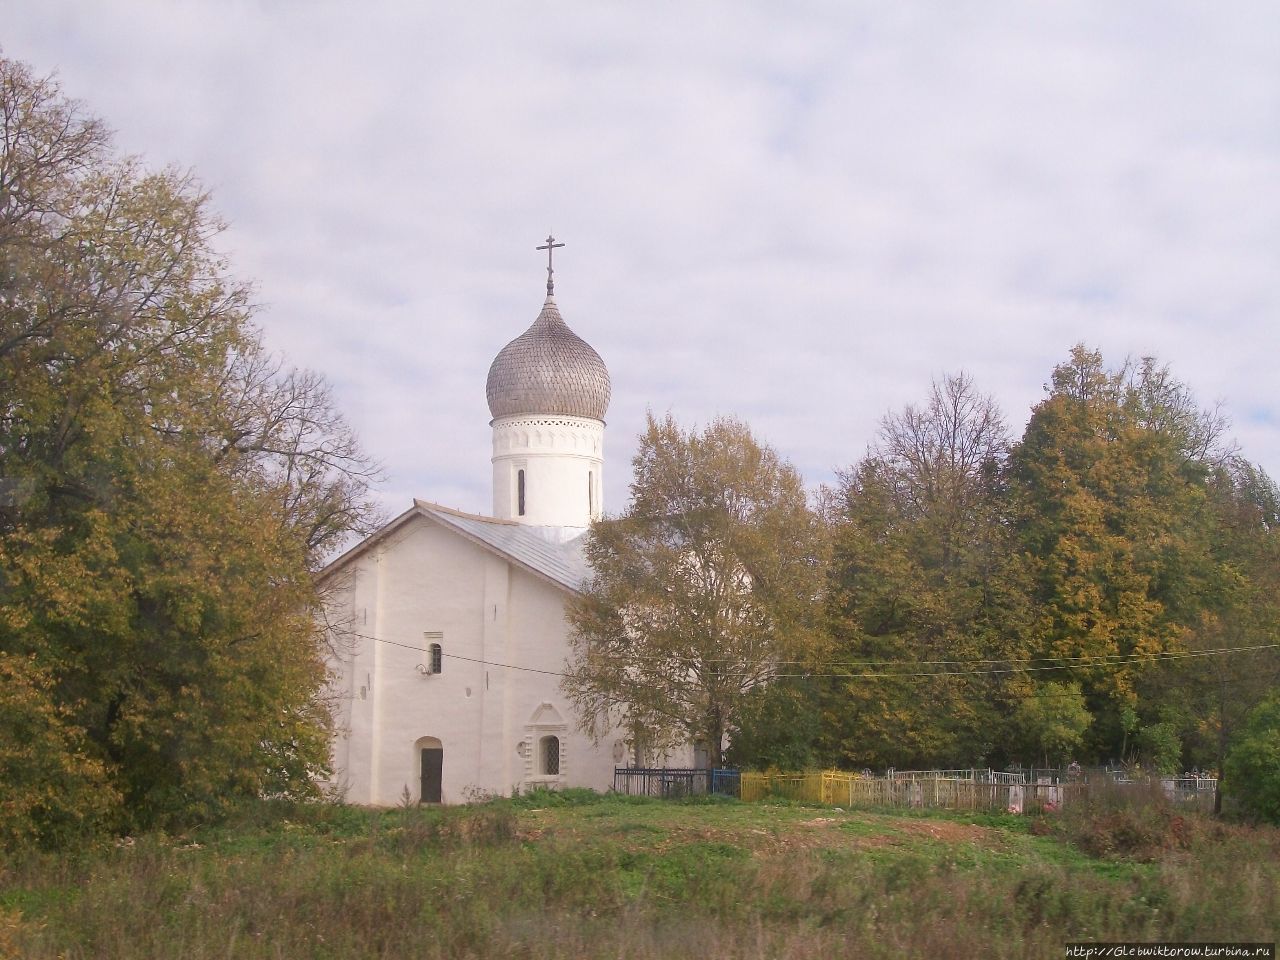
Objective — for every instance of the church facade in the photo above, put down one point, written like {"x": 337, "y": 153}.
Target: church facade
{"x": 450, "y": 627}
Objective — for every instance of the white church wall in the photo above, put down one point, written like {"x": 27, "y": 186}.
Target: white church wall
{"x": 428, "y": 579}
{"x": 494, "y": 767}
{"x": 541, "y": 642}
{"x": 339, "y": 657}
{"x": 434, "y": 584}
{"x": 360, "y": 769}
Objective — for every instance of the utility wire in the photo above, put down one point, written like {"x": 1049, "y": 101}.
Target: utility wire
{"x": 1084, "y": 660}
{"x": 1136, "y": 658}
{"x": 1106, "y": 660}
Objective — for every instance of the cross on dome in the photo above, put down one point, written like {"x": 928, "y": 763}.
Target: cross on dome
{"x": 549, "y": 246}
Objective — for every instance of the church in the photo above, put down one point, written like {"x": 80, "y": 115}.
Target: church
{"x": 452, "y": 625}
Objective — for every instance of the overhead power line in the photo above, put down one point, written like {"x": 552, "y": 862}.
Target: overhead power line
{"x": 989, "y": 667}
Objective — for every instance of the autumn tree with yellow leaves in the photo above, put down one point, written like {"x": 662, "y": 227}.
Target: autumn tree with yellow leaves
{"x": 167, "y": 489}
{"x": 708, "y": 587}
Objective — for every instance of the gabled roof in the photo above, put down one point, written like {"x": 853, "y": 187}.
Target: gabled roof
{"x": 554, "y": 554}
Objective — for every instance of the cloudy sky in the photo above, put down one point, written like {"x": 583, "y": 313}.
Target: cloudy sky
{"x": 795, "y": 213}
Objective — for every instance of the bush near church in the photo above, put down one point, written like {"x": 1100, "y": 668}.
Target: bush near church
{"x": 1252, "y": 771}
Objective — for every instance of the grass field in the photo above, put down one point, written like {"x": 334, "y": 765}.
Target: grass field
{"x": 575, "y": 875}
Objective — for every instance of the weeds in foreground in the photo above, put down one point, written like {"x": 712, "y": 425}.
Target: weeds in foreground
{"x": 1142, "y": 826}
{"x": 579, "y": 875}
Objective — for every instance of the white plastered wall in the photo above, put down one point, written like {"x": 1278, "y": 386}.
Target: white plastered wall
{"x": 426, "y": 578}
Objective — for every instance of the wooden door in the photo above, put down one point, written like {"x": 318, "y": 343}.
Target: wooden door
{"x": 432, "y": 766}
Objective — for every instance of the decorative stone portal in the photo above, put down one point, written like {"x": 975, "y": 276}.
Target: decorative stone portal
{"x": 543, "y": 747}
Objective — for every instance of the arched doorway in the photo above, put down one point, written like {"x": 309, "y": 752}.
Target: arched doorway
{"x": 430, "y": 757}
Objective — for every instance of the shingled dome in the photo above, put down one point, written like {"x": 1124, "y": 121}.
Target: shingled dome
{"x": 548, "y": 369}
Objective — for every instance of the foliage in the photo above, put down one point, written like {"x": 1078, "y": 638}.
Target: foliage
{"x": 1252, "y": 771}
{"x": 1239, "y": 614}
{"x": 1122, "y": 547}
{"x": 1161, "y": 747}
{"x": 777, "y": 727}
{"x": 168, "y": 486}
{"x": 1053, "y": 719}
{"x": 923, "y": 576}
{"x": 52, "y": 788}
{"x": 700, "y": 590}
{"x": 1108, "y": 487}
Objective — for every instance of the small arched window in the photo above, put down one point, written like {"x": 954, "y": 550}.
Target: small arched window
{"x": 520, "y": 492}
{"x": 549, "y": 756}
{"x": 437, "y": 658}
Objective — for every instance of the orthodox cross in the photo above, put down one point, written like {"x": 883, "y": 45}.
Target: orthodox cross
{"x": 549, "y": 246}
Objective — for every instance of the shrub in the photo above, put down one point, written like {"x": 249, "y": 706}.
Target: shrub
{"x": 1251, "y": 773}
{"x": 1161, "y": 747}
{"x": 1054, "y": 720}
{"x": 1132, "y": 824}
{"x": 776, "y": 729}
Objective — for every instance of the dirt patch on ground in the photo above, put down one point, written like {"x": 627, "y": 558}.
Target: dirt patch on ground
{"x": 891, "y": 831}
{"x": 947, "y": 831}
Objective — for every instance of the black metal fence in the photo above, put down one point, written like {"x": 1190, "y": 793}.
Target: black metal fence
{"x": 663, "y": 782}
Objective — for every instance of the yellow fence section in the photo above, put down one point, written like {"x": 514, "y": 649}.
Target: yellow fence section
{"x": 806, "y": 787}
{"x": 839, "y": 789}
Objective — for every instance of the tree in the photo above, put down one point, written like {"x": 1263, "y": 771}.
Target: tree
{"x": 1235, "y": 626}
{"x": 168, "y": 487}
{"x": 777, "y": 727}
{"x": 704, "y": 589}
{"x": 1110, "y": 502}
{"x": 53, "y": 789}
{"x": 923, "y": 572}
{"x": 1053, "y": 721}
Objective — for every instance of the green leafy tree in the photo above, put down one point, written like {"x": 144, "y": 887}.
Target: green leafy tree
{"x": 1161, "y": 747}
{"x": 1053, "y": 720}
{"x": 702, "y": 590}
{"x": 168, "y": 488}
{"x": 777, "y": 727}
{"x": 1251, "y": 773}
{"x": 1234, "y": 664}
{"x": 923, "y": 577}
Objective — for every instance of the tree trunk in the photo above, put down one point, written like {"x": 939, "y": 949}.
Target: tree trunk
{"x": 715, "y": 739}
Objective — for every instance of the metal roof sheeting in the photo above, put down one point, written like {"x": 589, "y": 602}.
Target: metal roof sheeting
{"x": 553, "y": 552}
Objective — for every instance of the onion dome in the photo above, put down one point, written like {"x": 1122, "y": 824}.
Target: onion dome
{"x": 548, "y": 369}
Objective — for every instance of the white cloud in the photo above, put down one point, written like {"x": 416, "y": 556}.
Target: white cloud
{"x": 795, "y": 216}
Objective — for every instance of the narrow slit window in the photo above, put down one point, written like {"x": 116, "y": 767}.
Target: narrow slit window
{"x": 437, "y": 658}
{"x": 520, "y": 492}
{"x": 591, "y": 492}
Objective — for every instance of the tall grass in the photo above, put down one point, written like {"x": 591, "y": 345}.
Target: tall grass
{"x": 580, "y": 876}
